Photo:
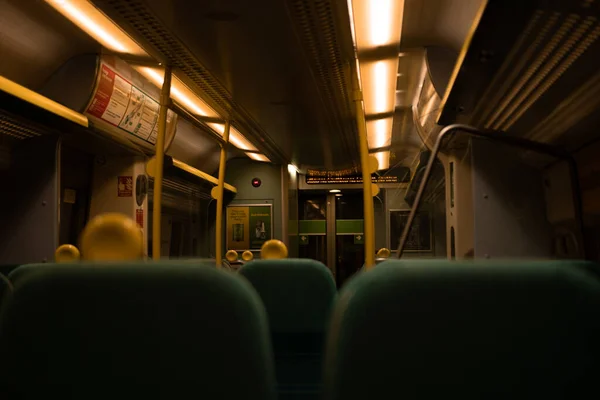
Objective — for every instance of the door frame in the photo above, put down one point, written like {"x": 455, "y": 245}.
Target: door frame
{"x": 330, "y": 234}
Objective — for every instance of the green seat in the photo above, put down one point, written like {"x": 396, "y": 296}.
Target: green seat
{"x": 5, "y": 287}
{"x": 162, "y": 330}
{"x": 435, "y": 329}
{"x": 6, "y": 269}
{"x": 589, "y": 266}
{"x": 298, "y": 295}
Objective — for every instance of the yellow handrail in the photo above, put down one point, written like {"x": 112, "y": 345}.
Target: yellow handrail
{"x": 219, "y": 197}
{"x": 369, "y": 214}
{"x": 165, "y": 94}
{"x": 38, "y": 100}
{"x": 202, "y": 175}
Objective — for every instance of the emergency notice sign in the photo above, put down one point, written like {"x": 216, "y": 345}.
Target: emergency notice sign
{"x": 125, "y": 186}
{"x": 119, "y": 103}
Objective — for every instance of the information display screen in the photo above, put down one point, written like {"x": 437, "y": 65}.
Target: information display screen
{"x": 335, "y": 179}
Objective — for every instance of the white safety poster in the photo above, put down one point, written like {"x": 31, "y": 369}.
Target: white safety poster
{"x": 123, "y": 105}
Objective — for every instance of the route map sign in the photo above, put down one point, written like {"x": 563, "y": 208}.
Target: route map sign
{"x": 123, "y": 105}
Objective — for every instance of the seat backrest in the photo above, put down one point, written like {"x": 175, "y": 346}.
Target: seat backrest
{"x": 589, "y": 266}
{"x": 6, "y": 269}
{"x": 164, "y": 330}
{"x": 298, "y": 295}
{"x": 5, "y": 287}
{"x": 437, "y": 329}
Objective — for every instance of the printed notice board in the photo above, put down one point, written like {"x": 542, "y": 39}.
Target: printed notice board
{"x": 249, "y": 226}
{"x": 419, "y": 236}
{"x": 119, "y": 103}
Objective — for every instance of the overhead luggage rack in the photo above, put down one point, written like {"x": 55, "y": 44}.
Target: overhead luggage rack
{"x": 520, "y": 76}
{"x": 25, "y": 114}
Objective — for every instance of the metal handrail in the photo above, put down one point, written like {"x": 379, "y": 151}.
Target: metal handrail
{"x": 501, "y": 137}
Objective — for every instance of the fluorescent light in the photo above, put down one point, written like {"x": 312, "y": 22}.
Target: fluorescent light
{"x": 239, "y": 141}
{"x": 179, "y": 91}
{"x": 378, "y": 132}
{"x": 235, "y": 137}
{"x": 187, "y": 98}
{"x": 219, "y": 128}
{"x": 87, "y": 17}
{"x": 335, "y": 191}
{"x": 382, "y": 71}
{"x": 380, "y": 27}
{"x": 379, "y": 93}
{"x": 383, "y": 158}
{"x": 378, "y": 24}
{"x": 258, "y": 157}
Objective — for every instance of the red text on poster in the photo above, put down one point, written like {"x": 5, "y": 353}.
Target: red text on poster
{"x": 104, "y": 93}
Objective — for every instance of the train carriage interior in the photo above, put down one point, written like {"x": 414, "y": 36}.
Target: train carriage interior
{"x": 299, "y": 199}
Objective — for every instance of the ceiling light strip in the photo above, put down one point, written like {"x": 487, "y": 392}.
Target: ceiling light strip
{"x": 377, "y": 27}
{"x": 258, "y": 157}
{"x": 92, "y": 21}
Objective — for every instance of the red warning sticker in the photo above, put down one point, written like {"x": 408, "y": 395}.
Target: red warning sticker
{"x": 125, "y": 186}
{"x": 139, "y": 217}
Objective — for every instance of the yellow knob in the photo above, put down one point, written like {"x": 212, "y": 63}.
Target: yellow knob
{"x": 231, "y": 256}
{"x": 247, "y": 255}
{"x": 273, "y": 249}
{"x": 112, "y": 236}
{"x": 374, "y": 189}
{"x": 383, "y": 253}
{"x": 373, "y": 164}
{"x": 66, "y": 253}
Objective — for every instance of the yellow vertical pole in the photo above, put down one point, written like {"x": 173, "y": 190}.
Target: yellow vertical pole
{"x": 165, "y": 95}
{"x": 369, "y": 213}
{"x": 219, "y": 196}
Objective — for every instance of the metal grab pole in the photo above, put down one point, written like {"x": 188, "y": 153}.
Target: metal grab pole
{"x": 369, "y": 213}
{"x": 165, "y": 95}
{"x": 219, "y": 196}
{"x": 503, "y": 138}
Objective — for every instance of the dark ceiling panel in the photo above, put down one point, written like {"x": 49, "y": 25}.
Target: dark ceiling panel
{"x": 35, "y": 40}
{"x": 539, "y": 78}
{"x": 443, "y": 23}
{"x": 251, "y": 48}
{"x": 251, "y": 62}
